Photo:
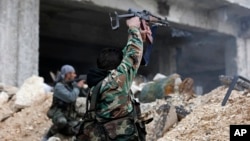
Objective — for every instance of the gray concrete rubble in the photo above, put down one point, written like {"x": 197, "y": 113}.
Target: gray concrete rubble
{"x": 4, "y": 97}
{"x": 7, "y": 98}
{"x": 31, "y": 91}
{"x": 31, "y": 100}
{"x": 167, "y": 101}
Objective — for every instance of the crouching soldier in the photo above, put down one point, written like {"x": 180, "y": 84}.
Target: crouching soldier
{"x": 62, "y": 111}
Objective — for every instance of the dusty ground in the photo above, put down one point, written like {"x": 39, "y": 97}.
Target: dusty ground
{"x": 28, "y": 124}
{"x": 209, "y": 121}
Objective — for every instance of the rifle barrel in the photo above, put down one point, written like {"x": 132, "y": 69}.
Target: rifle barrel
{"x": 126, "y": 15}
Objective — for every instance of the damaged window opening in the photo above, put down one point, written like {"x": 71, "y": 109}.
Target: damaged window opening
{"x": 71, "y": 34}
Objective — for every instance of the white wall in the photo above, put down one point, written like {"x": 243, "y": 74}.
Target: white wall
{"x": 18, "y": 40}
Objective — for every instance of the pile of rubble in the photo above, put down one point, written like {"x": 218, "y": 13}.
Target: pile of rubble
{"x": 178, "y": 115}
{"x": 23, "y": 111}
{"x": 168, "y": 100}
{"x": 209, "y": 120}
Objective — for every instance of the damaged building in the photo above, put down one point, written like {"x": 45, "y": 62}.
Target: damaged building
{"x": 204, "y": 40}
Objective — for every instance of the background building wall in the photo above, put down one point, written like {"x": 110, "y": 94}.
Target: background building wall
{"x": 18, "y": 40}
{"x": 19, "y": 31}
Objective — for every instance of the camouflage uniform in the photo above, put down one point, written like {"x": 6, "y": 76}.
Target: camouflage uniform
{"x": 62, "y": 111}
{"x": 114, "y": 103}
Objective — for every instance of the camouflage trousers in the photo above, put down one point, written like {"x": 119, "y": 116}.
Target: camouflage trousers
{"x": 63, "y": 126}
{"x": 122, "y": 129}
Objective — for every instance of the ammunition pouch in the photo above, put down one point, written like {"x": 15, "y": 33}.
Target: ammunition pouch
{"x": 119, "y": 128}
{"x": 111, "y": 130}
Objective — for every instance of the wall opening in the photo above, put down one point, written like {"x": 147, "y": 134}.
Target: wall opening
{"x": 204, "y": 56}
{"x": 74, "y": 32}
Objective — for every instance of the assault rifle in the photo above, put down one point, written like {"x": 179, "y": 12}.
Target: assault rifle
{"x": 145, "y": 16}
{"x": 81, "y": 77}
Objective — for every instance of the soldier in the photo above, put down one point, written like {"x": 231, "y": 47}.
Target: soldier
{"x": 114, "y": 116}
{"x": 62, "y": 111}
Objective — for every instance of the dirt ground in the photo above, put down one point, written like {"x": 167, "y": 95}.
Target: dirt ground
{"x": 28, "y": 124}
{"x": 209, "y": 120}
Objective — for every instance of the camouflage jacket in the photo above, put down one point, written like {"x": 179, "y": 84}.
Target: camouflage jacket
{"x": 64, "y": 99}
{"x": 114, "y": 99}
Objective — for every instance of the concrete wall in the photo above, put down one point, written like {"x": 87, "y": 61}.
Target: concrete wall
{"x": 221, "y": 16}
{"x": 19, "y": 30}
{"x": 243, "y": 57}
{"x": 243, "y": 3}
{"x": 18, "y": 40}
{"x": 178, "y": 13}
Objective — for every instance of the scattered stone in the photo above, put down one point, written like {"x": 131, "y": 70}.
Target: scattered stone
{"x": 159, "y": 88}
{"x": 81, "y": 105}
{"x": 164, "y": 117}
{"x": 5, "y": 112}
{"x": 31, "y": 91}
{"x": 54, "y": 139}
{"x": 209, "y": 120}
{"x": 181, "y": 112}
{"x": 28, "y": 124}
{"x": 10, "y": 90}
{"x": 4, "y": 97}
{"x": 159, "y": 76}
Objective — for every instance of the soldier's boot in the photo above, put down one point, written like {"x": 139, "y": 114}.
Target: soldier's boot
{"x": 47, "y": 135}
{"x": 71, "y": 129}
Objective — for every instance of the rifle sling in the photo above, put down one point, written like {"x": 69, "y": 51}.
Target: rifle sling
{"x": 94, "y": 97}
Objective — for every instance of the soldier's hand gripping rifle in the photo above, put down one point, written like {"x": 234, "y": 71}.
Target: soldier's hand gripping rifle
{"x": 145, "y": 16}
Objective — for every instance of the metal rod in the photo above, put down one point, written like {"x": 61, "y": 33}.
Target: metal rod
{"x": 229, "y": 91}
{"x": 243, "y": 78}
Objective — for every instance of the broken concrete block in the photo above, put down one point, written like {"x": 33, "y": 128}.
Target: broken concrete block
{"x": 186, "y": 88}
{"x": 30, "y": 92}
{"x": 81, "y": 105}
{"x": 4, "y": 97}
{"x": 5, "y": 112}
{"x": 54, "y": 139}
{"x": 170, "y": 120}
{"x": 181, "y": 112}
{"x": 10, "y": 90}
{"x": 159, "y": 89}
{"x": 164, "y": 118}
{"x": 159, "y": 76}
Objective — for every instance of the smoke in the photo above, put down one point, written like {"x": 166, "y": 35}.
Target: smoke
{"x": 180, "y": 33}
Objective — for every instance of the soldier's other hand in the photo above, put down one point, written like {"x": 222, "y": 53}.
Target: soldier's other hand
{"x": 134, "y": 22}
{"x": 80, "y": 84}
{"x": 146, "y": 32}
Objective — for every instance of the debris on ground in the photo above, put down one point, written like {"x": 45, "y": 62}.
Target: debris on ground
{"x": 176, "y": 116}
{"x": 209, "y": 120}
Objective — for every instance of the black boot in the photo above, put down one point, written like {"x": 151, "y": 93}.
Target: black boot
{"x": 47, "y": 136}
